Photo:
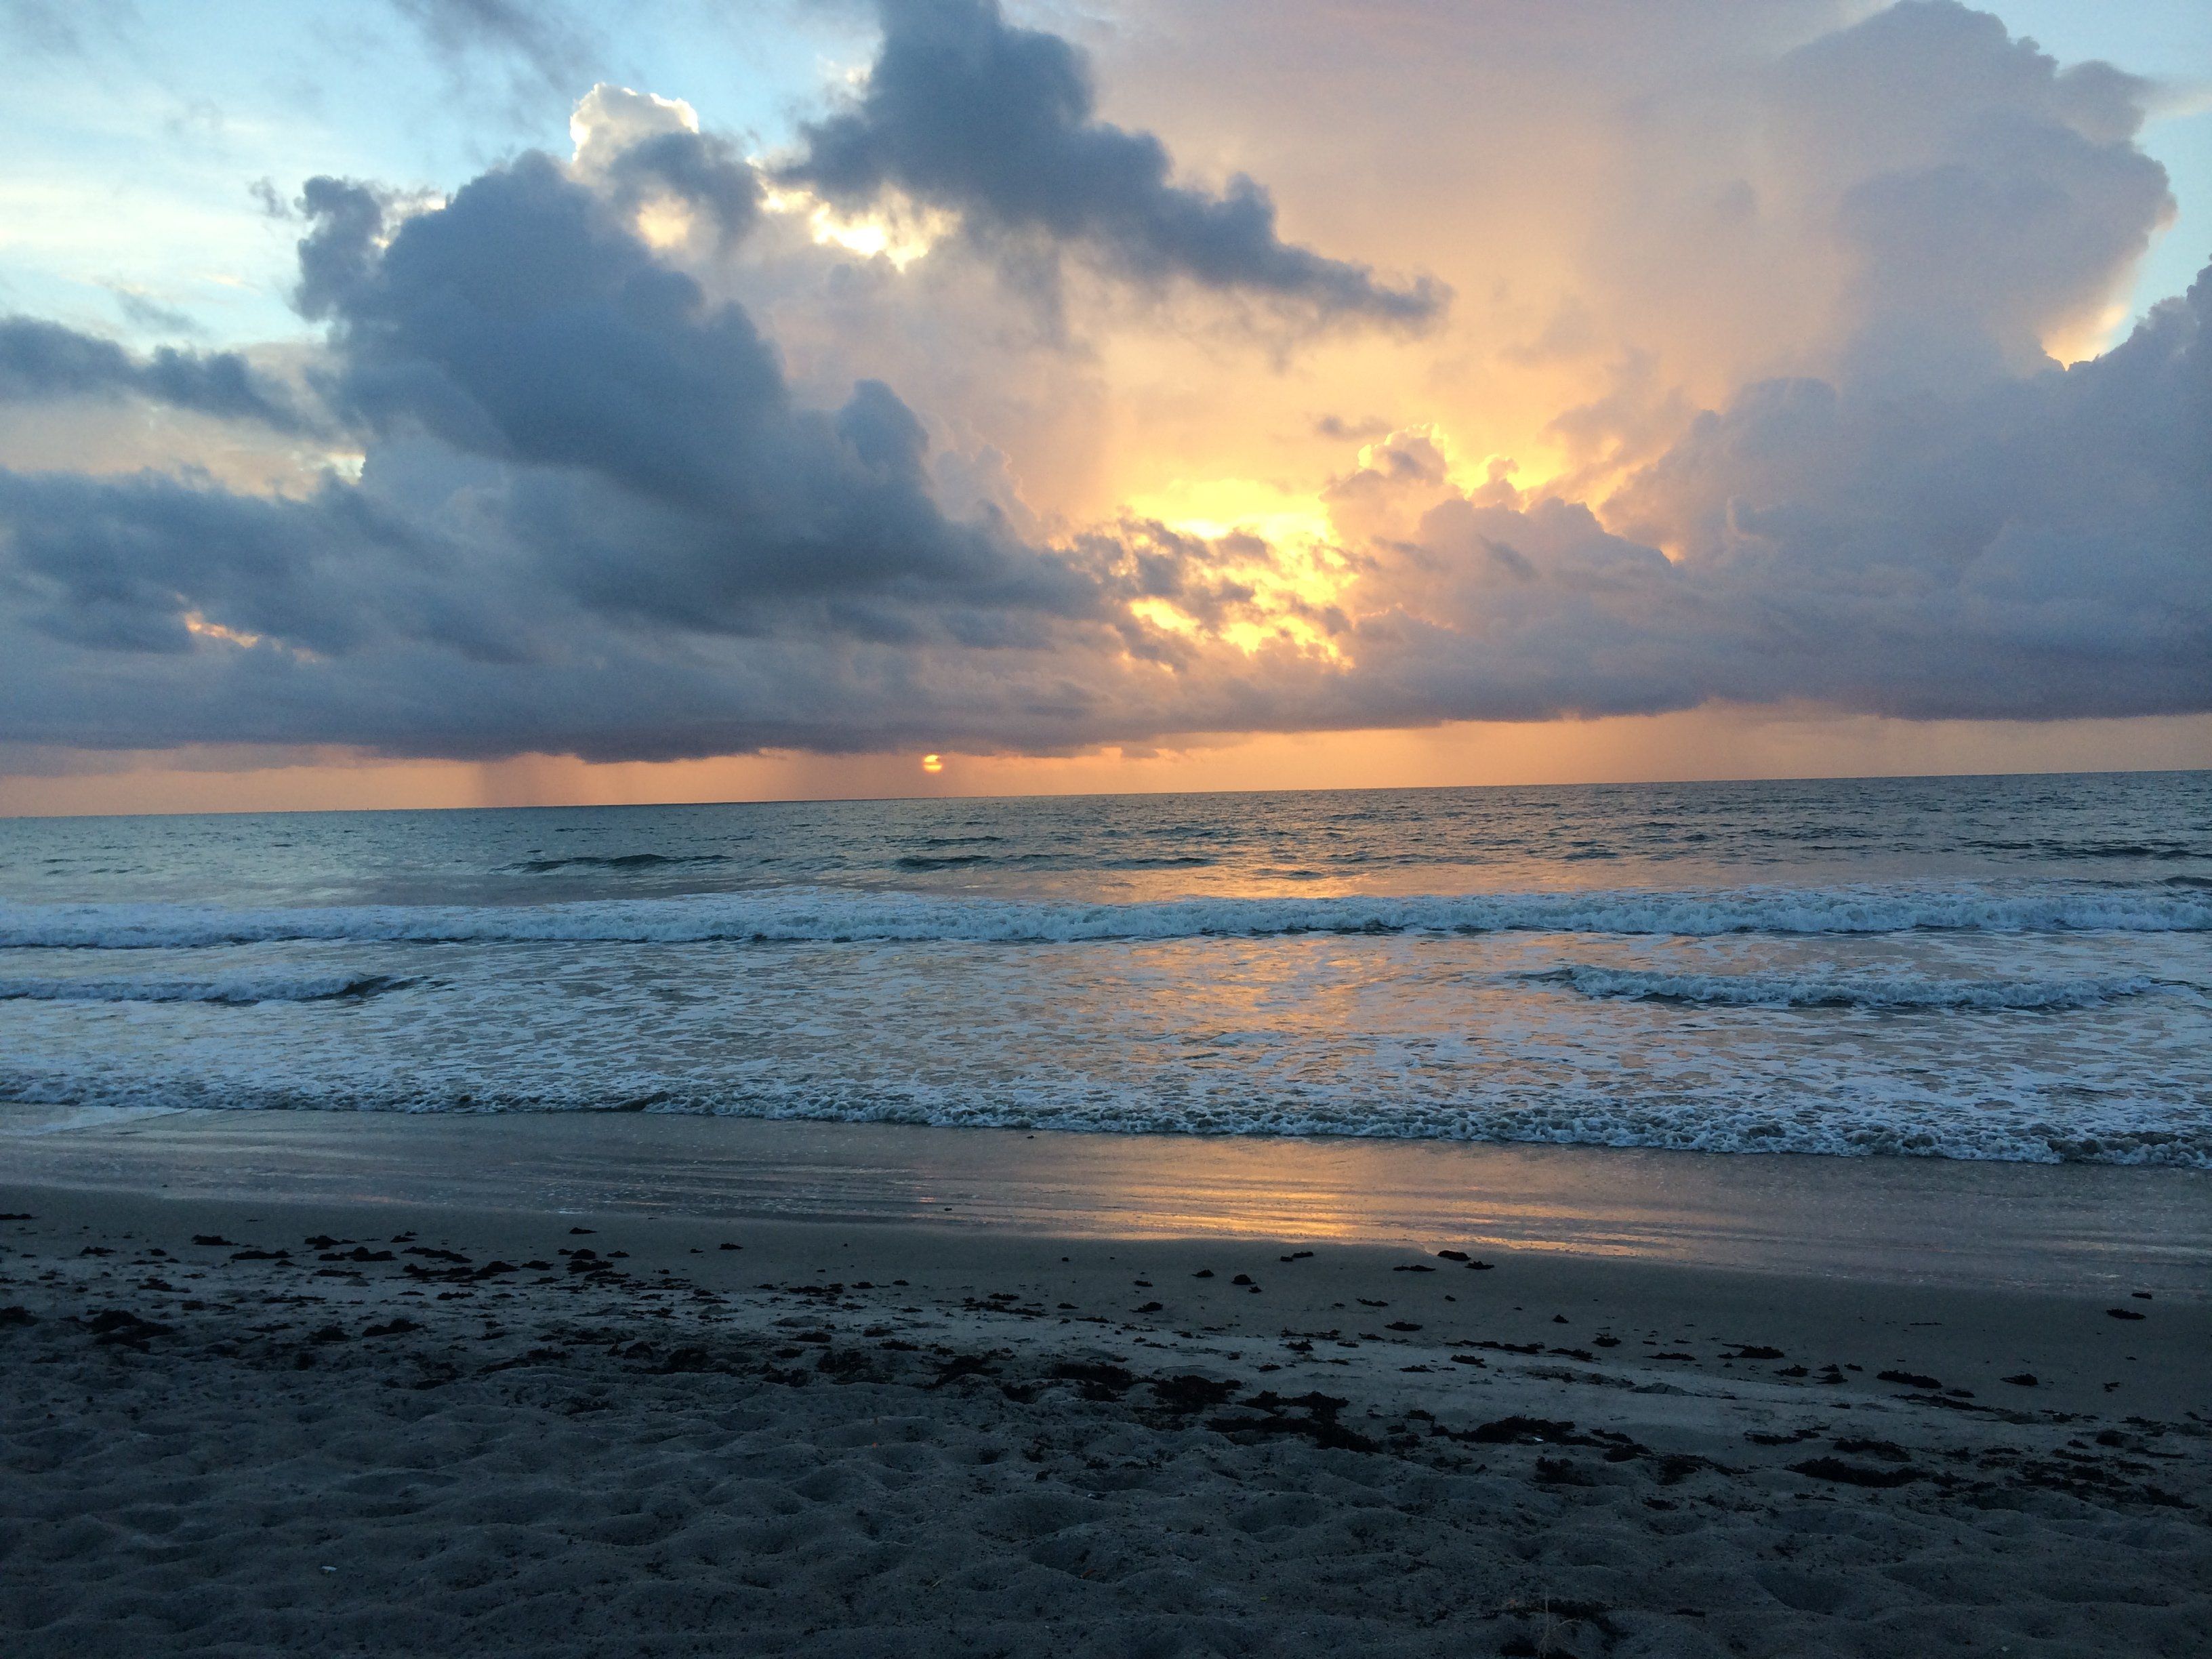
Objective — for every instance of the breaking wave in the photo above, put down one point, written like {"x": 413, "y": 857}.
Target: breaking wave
{"x": 1843, "y": 991}
{"x": 237, "y": 991}
{"x": 1751, "y": 1117}
{"x": 838, "y": 914}
{"x": 617, "y": 861}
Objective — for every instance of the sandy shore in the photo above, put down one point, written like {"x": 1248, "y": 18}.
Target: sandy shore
{"x": 246, "y": 1427}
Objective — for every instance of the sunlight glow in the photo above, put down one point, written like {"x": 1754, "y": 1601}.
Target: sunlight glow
{"x": 663, "y": 223}
{"x": 201, "y": 628}
{"x": 1463, "y": 473}
{"x": 240, "y": 639}
{"x": 600, "y": 115}
{"x": 900, "y": 231}
{"x": 2091, "y": 337}
{"x": 1212, "y": 509}
{"x": 1277, "y": 541}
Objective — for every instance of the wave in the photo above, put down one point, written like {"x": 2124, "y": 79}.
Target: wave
{"x": 236, "y": 991}
{"x": 921, "y": 861}
{"x": 2098, "y": 850}
{"x": 1843, "y": 991}
{"x": 840, "y": 916}
{"x": 1845, "y": 1119}
{"x": 617, "y": 861}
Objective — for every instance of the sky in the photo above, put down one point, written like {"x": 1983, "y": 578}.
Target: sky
{"x": 474, "y": 402}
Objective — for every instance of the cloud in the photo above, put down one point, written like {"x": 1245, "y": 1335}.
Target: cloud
{"x": 633, "y": 494}
{"x": 539, "y": 36}
{"x": 641, "y": 149}
{"x": 40, "y": 362}
{"x": 1354, "y": 431}
{"x": 269, "y": 200}
{"x": 56, "y": 29}
{"x": 1982, "y": 197}
{"x": 652, "y": 456}
{"x": 2033, "y": 551}
{"x": 143, "y": 311}
{"x": 144, "y": 564}
{"x": 2033, "y": 548}
{"x": 967, "y": 114}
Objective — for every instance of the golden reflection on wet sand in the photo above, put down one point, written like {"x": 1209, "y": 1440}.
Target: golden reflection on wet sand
{"x": 1913, "y": 1219}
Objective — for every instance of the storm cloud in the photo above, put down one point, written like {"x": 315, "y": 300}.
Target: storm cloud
{"x": 41, "y": 362}
{"x": 1978, "y": 194}
{"x": 643, "y": 151}
{"x": 598, "y": 511}
{"x": 963, "y": 112}
{"x": 651, "y": 458}
{"x": 2036, "y": 549}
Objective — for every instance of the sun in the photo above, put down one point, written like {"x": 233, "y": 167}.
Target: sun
{"x": 932, "y": 762}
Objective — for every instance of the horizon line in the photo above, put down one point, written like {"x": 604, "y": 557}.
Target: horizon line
{"x": 1119, "y": 794}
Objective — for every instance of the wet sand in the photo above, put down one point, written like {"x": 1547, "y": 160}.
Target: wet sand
{"x": 2090, "y": 1227}
{"x": 363, "y": 1422}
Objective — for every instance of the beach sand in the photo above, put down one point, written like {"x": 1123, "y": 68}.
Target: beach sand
{"x": 367, "y": 1424}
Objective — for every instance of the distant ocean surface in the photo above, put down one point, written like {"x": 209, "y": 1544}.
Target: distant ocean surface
{"x": 1986, "y": 968}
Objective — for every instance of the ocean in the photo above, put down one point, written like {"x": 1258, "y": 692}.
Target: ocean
{"x": 2012, "y": 969}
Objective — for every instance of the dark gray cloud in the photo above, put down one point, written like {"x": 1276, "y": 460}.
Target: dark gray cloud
{"x": 699, "y": 168}
{"x": 40, "y": 361}
{"x": 965, "y": 113}
{"x": 657, "y": 460}
{"x": 120, "y": 564}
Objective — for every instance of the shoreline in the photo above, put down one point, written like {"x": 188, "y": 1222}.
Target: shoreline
{"x": 2032, "y": 1226}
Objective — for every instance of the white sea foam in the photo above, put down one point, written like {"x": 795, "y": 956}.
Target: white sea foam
{"x": 1746, "y": 1117}
{"x": 1849, "y": 969}
{"x": 1817, "y": 990}
{"x": 821, "y": 914}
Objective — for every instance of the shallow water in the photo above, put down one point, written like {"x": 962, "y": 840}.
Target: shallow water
{"x": 2011, "y": 968}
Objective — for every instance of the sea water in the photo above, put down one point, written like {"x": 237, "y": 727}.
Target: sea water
{"x": 1988, "y": 968}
